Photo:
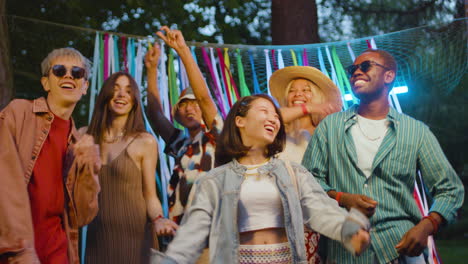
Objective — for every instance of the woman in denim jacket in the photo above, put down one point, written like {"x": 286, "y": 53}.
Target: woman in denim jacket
{"x": 252, "y": 209}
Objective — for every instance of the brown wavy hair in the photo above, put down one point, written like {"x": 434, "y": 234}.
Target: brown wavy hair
{"x": 229, "y": 145}
{"x": 102, "y": 115}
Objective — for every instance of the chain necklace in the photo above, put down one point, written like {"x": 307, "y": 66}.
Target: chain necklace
{"x": 365, "y": 135}
{"x": 118, "y": 137}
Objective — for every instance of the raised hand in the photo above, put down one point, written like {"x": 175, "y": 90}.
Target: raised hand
{"x": 173, "y": 38}
{"x": 152, "y": 56}
{"x": 364, "y": 204}
{"x": 86, "y": 151}
{"x": 320, "y": 111}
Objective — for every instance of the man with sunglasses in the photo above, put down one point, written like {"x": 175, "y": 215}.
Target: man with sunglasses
{"x": 48, "y": 176}
{"x": 368, "y": 157}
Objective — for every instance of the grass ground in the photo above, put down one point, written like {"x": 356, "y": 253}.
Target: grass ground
{"x": 453, "y": 251}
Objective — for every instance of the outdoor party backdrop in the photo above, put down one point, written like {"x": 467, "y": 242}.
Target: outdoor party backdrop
{"x": 430, "y": 85}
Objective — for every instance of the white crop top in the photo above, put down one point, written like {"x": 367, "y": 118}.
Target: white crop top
{"x": 260, "y": 204}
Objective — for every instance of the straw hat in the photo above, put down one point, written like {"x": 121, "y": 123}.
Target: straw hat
{"x": 280, "y": 79}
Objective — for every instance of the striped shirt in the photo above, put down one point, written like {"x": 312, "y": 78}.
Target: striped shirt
{"x": 408, "y": 146}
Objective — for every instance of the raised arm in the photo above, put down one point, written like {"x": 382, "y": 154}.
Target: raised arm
{"x": 175, "y": 40}
{"x": 85, "y": 188}
{"x": 159, "y": 121}
{"x": 149, "y": 152}
{"x": 317, "y": 112}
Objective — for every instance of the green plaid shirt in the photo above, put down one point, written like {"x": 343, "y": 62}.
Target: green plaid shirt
{"x": 408, "y": 146}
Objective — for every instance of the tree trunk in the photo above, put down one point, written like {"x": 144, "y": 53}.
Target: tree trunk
{"x": 6, "y": 78}
{"x": 294, "y": 22}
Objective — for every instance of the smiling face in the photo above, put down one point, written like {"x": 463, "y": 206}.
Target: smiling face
{"x": 122, "y": 100}
{"x": 302, "y": 91}
{"x": 189, "y": 114}
{"x": 374, "y": 83}
{"x": 65, "y": 90}
{"x": 261, "y": 124}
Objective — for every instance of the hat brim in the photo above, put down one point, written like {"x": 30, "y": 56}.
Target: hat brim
{"x": 280, "y": 79}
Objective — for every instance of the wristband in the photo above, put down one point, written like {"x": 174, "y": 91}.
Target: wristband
{"x": 338, "y": 197}
{"x": 304, "y": 109}
{"x": 435, "y": 225}
{"x": 157, "y": 218}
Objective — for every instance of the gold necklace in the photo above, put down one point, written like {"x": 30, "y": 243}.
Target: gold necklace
{"x": 118, "y": 137}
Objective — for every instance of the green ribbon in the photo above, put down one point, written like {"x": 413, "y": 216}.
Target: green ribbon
{"x": 244, "y": 90}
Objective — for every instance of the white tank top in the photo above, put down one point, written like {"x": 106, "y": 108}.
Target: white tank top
{"x": 260, "y": 204}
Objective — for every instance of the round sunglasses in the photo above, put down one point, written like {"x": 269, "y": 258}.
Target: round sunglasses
{"x": 76, "y": 72}
{"x": 364, "y": 66}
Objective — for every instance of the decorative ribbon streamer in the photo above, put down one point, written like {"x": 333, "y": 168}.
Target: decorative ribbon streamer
{"x": 273, "y": 60}
{"x": 254, "y": 75}
{"x": 299, "y": 59}
{"x": 323, "y": 69}
{"x": 333, "y": 72}
{"x": 268, "y": 69}
{"x": 305, "y": 61}
{"x": 341, "y": 75}
{"x": 192, "y": 49}
{"x": 218, "y": 81}
{"x": 123, "y": 46}
{"x": 183, "y": 78}
{"x": 216, "y": 90}
{"x": 232, "y": 84}
{"x": 280, "y": 60}
{"x": 116, "y": 54}
{"x": 351, "y": 52}
{"x": 223, "y": 74}
{"x": 139, "y": 62}
{"x": 106, "y": 56}
{"x": 293, "y": 56}
{"x": 94, "y": 77}
{"x": 110, "y": 48}
{"x": 244, "y": 90}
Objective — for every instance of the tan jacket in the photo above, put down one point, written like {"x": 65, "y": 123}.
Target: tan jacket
{"x": 24, "y": 126}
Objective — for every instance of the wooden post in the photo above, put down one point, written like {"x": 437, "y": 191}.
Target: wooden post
{"x": 294, "y": 22}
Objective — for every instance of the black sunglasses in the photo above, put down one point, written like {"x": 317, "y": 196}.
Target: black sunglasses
{"x": 364, "y": 66}
{"x": 76, "y": 72}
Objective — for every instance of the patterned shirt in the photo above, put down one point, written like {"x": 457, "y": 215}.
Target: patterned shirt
{"x": 408, "y": 146}
{"x": 193, "y": 158}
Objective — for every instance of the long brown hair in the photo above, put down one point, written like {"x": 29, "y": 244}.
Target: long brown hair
{"x": 229, "y": 144}
{"x": 102, "y": 115}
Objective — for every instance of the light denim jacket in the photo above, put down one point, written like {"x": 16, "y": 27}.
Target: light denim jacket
{"x": 212, "y": 217}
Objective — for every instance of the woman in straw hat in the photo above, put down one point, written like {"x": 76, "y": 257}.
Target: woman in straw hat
{"x": 306, "y": 96}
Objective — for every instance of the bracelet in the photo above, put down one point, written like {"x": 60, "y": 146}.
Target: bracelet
{"x": 435, "y": 224}
{"x": 338, "y": 197}
{"x": 304, "y": 109}
{"x": 157, "y": 218}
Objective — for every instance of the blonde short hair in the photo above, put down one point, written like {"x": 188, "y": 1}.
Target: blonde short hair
{"x": 65, "y": 52}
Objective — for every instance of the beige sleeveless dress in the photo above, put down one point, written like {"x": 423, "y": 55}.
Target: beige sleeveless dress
{"x": 121, "y": 232}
